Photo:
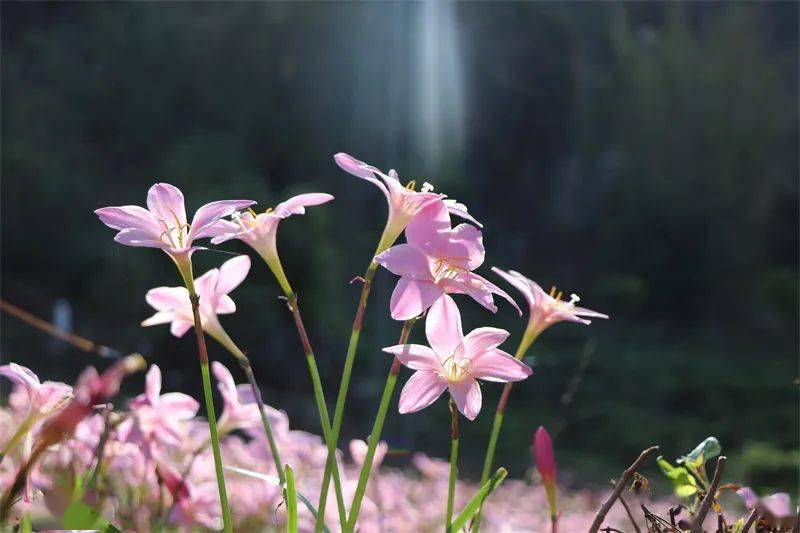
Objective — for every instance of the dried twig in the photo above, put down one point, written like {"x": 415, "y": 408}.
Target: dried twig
{"x": 603, "y": 511}
{"x": 630, "y": 514}
{"x": 705, "y": 505}
{"x": 750, "y": 521}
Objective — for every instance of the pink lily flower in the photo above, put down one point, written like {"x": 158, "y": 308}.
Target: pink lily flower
{"x": 239, "y": 409}
{"x": 358, "y": 452}
{"x": 404, "y": 202}
{"x": 545, "y": 309}
{"x": 454, "y": 362}
{"x": 164, "y": 224}
{"x": 775, "y": 510}
{"x": 160, "y": 416}
{"x": 192, "y": 505}
{"x": 32, "y": 396}
{"x": 437, "y": 259}
{"x": 546, "y": 466}
{"x": 259, "y": 230}
{"x": 173, "y": 306}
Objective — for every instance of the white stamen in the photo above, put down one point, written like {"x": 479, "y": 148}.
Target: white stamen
{"x": 426, "y": 187}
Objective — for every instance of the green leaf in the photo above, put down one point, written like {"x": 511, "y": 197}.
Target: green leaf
{"x": 291, "y": 501}
{"x": 476, "y": 502}
{"x": 683, "y": 482}
{"x": 738, "y": 526}
{"x": 708, "y": 449}
{"x": 25, "y": 526}
{"x": 110, "y": 528}
{"x": 80, "y": 516}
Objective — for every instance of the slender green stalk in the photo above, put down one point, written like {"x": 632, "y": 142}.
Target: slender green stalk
{"x": 377, "y": 428}
{"x": 274, "y": 264}
{"x": 291, "y": 501}
{"x": 451, "y": 485}
{"x": 474, "y": 504}
{"x": 185, "y": 268}
{"x": 526, "y": 342}
{"x": 344, "y": 385}
{"x": 222, "y": 337}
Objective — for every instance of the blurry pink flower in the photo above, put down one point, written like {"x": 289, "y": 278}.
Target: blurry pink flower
{"x": 163, "y": 224}
{"x": 775, "y": 510}
{"x": 159, "y": 416}
{"x": 32, "y": 396}
{"x": 437, "y": 259}
{"x": 546, "y": 466}
{"x": 259, "y": 230}
{"x": 404, "y": 202}
{"x": 239, "y": 409}
{"x": 454, "y": 362}
{"x": 358, "y": 452}
{"x": 173, "y": 305}
{"x": 545, "y": 309}
{"x": 192, "y": 505}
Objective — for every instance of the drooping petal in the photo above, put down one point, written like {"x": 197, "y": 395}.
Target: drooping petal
{"x": 421, "y": 390}
{"x": 460, "y": 210}
{"x": 443, "y": 328}
{"x": 481, "y": 340}
{"x": 206, "y": 216}
{"x": 406, "y": 260}
{"x": 224, "y": 230}
{"x": 180, "y": 327}
{"x": 128, "y": 217}
{"x": 467, "y": 395}
{"x": 169, "y": 298}
{"x": 160, "y": 317}
{"x": 152, "y": 384}
{"x": 411, "y": 297}
{"x": 166, "y": 203}
{"x": 359, "y": 169}
{"x": 479, "y": 288}
{"x": 415, "y": 356}
{"x": 232, "y": 274}
{"x": 497, "y": 365}
{"x": 519, "y": 282}
{"x": 296, "y": 205}
{"x": 178, "y": 406}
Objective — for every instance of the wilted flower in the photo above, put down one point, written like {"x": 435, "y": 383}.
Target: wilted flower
{"x": 164, "y": 224}
{"x": 454, "y": 362}
{"x": 545, "y": 309}
{"x": 437, "y": 259}
{"x": 546, "y": 466}
{"x": 260, "y": 230}
{"x": 174, "y": 307}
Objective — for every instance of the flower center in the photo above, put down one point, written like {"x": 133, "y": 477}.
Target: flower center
{"x": 443, "y": 269}
{"x": 565, "y": 305}
{"x": 456, "y": 369}
{"x": 175, "y": 236}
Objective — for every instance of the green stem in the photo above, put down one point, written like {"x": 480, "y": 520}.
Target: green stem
{"x": 451, "y": 486}
{"x": 377, "y": 429}
{"x": 185, "y": 268}
{"x": 222, "y": 337}
{"x": 526, "y": 342}
{"x": 291, "y": 501}
{"x": 343, "y": 388}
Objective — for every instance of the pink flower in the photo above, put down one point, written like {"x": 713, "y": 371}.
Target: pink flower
{"x": 164, "y": 224}
{"x": 32, "y": 396}
{"x": 358, "y": 452}
{"x": 260, "y": 230}
{"x": 192, "y": 505}
{"x": 546, "y": 466}
{"x": 775, "y": 509}
{"x": 160, "y": 416}
{"x": 454, "y": 362}
{"x": 173, "y": 306}
{"x": 437, "y": 259}
{"x": 239, "y": 409}
{"x": 545, "y": 309}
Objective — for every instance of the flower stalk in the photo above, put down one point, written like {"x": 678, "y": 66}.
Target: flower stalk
{"x": 185, "y": 268}
{"x": 451, "y": 485}
{"x": 377, "y": 429}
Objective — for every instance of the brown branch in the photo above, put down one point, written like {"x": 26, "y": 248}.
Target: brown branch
{"x": 603, "y": 511}
{"x": 630, "y": 514}
{"x": 705, "y": 505}
{"x": 750, "y": 521}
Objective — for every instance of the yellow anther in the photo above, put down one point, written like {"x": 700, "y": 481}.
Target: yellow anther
{"x": 552, "y": 291}
{"x": 250, "y": 210}
{"x": 411, "y": 185}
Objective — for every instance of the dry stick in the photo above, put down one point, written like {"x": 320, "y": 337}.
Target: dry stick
{"x": 705, "y": 505}
{"x": 77, "y": 341}
{"x": 628, "y": 510}
{"x": 750, "y": 521}
{"x": 796, "y": 527}
{"x": 603, "y": 511}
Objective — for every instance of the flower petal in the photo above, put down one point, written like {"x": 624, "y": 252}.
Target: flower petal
{"x": 411, "y": 297}
{"x": 225, "y": 382}
{"x": 160, "y": 317}
{"x": 169, "y": 298}
{"x": 430, "y": 229}
{"x": 465, "y": 247}
{"x": 467, "y": 395}
{"x": 127, "y": 217}
{"x": 481, "y": 340}
{"x": 232, "y": 274}
{"x": 415, "y": 356}
{"x": 296, "y": 205}
{"x": 180, "y": 327}
{"x": 206, "y": 216}
{"x": 361, "y": 170}
{"x": 406, "y": 260}
{"x": 460, "y": 210}
{"x": 166, "y": 203}
{"x": 140, "y": 237}
{"x": 497, "y": 365}
{"x": 152, "y": 384}
{"x": 519, "y": 282}
{"x": 178, "y": 405}
{"x": 443, "y": 328}
{"x": 225, "y": 305}
{"x": 421, "y": 390}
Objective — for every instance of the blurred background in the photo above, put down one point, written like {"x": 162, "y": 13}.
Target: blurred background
{"x": 642, "y": 155}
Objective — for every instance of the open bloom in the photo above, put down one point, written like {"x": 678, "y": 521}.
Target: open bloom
{"x": 437, "y": 259}
{"x": 33, "y": 398}
{"x": 173, "y": 306}
{"x": 239, "y": 409}
{"x": 546, "y": 466}
{"x": 260, "y": 230}
{"x": 775, "y": 510}
{"x": 164, "y": 224}
{"x": 454, "y": 362}
{"x": 546, "y": 309}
